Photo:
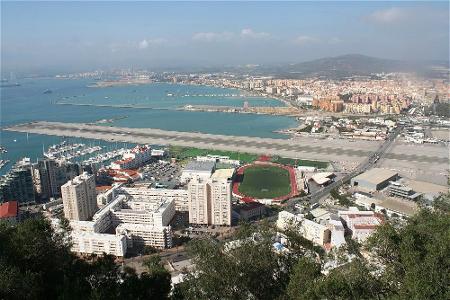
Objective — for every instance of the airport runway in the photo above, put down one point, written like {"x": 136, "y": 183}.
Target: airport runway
{"x": 336, "y": 150}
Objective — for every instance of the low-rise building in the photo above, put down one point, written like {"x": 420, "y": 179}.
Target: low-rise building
{"x": 9, "y": 212}
{"x": 360, "y": 223}
{"x": 99, "y": 243}
{"x": 402, "y": 191}
{"x": 251, "y": 210}
{"x": 388, "y": 205}
{"x": 317, "y": 233}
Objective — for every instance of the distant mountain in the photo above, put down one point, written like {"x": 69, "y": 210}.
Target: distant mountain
{"x": 348, "y": 65}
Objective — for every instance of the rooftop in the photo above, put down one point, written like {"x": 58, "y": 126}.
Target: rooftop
{"x": 9, "y": 209}
{"x": 200, "y": 166}
{"x": 250, "y": 206}
{"x": 376, "y": 175}
{"x": 223, "y": 174}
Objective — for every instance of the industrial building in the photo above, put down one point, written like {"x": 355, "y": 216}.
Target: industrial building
{"x": 374, "y": 179}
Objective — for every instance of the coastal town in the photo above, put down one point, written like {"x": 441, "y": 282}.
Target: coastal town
{"x": 228, "y": 150}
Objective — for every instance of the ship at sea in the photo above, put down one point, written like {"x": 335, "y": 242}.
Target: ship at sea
{"x": 48, "y": 91}
{"x": 10, "y": 84}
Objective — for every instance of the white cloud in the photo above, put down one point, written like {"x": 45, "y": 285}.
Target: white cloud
{"x": 305, "y": 40}
{"x": 244, "y": 34}
{"x": 145, "y": 43}
{"x": 249, "y": 33}
{"x": 335, "y": 40}
{"x": 390, "y": 15}
{"x": 213, "y": 36}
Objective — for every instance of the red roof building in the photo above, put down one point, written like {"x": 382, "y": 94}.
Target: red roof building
{"x": 9, "y": 211}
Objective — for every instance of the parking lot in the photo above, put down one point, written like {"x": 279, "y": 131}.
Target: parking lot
{"x": 162, "y": 174}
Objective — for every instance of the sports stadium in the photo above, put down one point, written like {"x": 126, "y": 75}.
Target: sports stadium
{"x": 265, "y": 180}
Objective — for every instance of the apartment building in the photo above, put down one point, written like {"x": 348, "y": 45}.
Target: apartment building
{"x": 147, "y": 198}
{"x": 98, "y": 243}
{"x": 210, "y": 200}
{"x": 79, "y": 197}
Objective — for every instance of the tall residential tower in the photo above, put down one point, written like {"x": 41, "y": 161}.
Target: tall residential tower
{"x": 79, "y": 197}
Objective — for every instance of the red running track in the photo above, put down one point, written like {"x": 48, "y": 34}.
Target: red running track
{"x": 292, "y": 178}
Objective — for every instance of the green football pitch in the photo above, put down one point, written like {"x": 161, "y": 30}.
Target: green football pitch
{"x": 265, "y": 182}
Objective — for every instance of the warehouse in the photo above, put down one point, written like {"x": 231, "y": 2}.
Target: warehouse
{"x": 374, "y": 179}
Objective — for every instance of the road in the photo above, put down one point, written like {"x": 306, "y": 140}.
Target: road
{"x": 368, "y": 163}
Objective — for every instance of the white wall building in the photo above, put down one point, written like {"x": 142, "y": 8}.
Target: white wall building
{"x": 361, "y": 223}
{"x": 148, "y": 198}
{"x": 146, "y": 235}
{"x": 98, "y": 243}
{"x": 134, "y": 158}
{"x": 319, "y": 234}
{"x": 198, "y": 202}
{"x": 210, "y": 201}
{"x": 220, "y": 200}
{"x": 160, "y": 216}
{"x": 133, "y": 227}
{"x": 79, "y": 197}
{"x": 103, "y": 198}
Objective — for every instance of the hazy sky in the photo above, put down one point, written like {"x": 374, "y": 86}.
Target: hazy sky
{"x": 89, "y": 35}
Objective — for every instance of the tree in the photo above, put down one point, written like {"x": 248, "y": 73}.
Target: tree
{"x": 414, "y": 259}
{"x": 248, "y": 268}
{"x": 36, "y": 263}
{"x": 351, "y": 281}
{"x": 303, "y": 279}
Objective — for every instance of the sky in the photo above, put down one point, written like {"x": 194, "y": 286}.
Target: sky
{"x": 64, "y": 36}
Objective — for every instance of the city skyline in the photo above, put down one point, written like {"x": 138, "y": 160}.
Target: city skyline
{"x": 89, "y": 35}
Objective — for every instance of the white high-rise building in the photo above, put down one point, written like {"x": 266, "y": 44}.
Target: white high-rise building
{"x": 220, "y": 200}
{"x": 210, "y": 201}
{"x": 79, "y": 197}
{"x": 198, "y": 201}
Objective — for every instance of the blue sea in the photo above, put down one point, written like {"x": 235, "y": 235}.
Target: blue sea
{"x": 28, "y": 102}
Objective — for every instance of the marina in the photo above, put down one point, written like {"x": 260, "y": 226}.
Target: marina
{"x": 104, "y": 157}
{"x": 67, "y": 151}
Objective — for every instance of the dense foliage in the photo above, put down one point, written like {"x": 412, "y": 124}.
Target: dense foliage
{"x": 35, "y": 263}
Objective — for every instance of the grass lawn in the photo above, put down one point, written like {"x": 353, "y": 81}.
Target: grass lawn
{"x": 300, "y": 162}
{"x": 184, "y": 153}
{"x": 265, "y": 182}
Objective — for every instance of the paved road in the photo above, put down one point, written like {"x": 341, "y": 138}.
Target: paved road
{"x": 368, "y": 163}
